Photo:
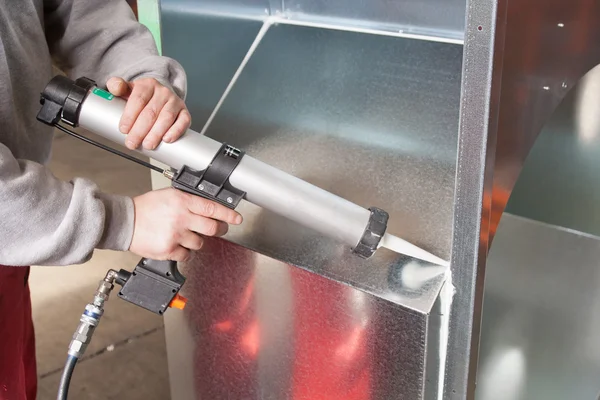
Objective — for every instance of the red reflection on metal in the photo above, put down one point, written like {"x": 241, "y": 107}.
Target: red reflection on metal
{"x": 251, "y": 339}
{"x": 247, "y": 296}
{"x": 331, "y": 353}
{"x": 220, "y": 288}
{"x": 348, "y": 351}
{"x": 224, "y": 326}
{"x": 324, "y": 351}
{"x": 546, "y": 51}
{"x": 244, "y": 303}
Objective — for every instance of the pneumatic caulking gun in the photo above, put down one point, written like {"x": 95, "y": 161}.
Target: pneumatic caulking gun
{"x": 216, "y": 171}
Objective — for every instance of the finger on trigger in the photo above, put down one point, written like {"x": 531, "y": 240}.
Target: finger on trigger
{"x": 180, "y": 254}
{"x": 207, "y": 227}
{"x": 210, "y": 209}
{"x": 180, "y": 126}
{"x": 163, "y": 123}
{"x": 192, "y": 241}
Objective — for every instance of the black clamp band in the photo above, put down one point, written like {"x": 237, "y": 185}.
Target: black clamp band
{"x": 72, "y": 106}
{"x": 374, "y": 231}
{"x": 62, "y": 99}
{"x": 213, "y": 182}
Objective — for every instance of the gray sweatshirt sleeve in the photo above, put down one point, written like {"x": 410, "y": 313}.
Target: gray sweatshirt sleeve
{"x": 65, "y": 220}
{"x": 102, "y": 39}
{"x": 68, "y": 220}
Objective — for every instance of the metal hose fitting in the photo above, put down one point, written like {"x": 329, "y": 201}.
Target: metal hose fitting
{"x": 91, "y": 316}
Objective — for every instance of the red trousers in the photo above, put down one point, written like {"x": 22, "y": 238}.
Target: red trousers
{"x": 18, "y": 375}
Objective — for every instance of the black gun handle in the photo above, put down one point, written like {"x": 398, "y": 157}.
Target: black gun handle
{"x": 168, "y": 269}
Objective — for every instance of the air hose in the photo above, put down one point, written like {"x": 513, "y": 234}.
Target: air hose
{"x": 83, "y": 334}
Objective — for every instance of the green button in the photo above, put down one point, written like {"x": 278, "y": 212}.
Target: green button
{"x": 103, "y": 93}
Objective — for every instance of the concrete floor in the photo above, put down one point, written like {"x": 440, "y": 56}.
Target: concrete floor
{"x": 127, "y": 357}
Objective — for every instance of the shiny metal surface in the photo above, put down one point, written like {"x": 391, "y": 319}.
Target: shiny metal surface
{"x": 569, "y": 146}
{"x": 374, "y": 119}
{"x": 542, "y": 49}
{"x": 429, "y": 18}
{"x": 552, "y": 45}
{"x": 480, "y": 94}
{"x": 242, "y": 9}
{"x": 292, "y": 108}
{"x": 539, "y": 328}
{"x": 219, "y": 44}
{"x": 540, "y": 314}
{"x": 280, "y": 312}
{"x": 304, "y": 204}
{"x": 256, "y": 328}
{"x": 333, "y": 111}
{"x": 437, "y": 18}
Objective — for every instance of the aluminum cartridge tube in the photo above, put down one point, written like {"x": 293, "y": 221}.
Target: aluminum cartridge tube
{"x": 265, "y": 186}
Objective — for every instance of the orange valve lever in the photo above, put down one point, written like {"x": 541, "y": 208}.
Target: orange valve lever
{"x": 178, "y": 302}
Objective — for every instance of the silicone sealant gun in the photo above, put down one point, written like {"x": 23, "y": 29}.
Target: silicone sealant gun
{"x": 213, "y": 170}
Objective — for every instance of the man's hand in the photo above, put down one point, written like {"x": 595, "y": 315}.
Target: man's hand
{"x": 169, "y": 223}
{"x": 153, "y": 112}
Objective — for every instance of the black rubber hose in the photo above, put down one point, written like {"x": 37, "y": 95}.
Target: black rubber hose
{"x": 65, "y": 379}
